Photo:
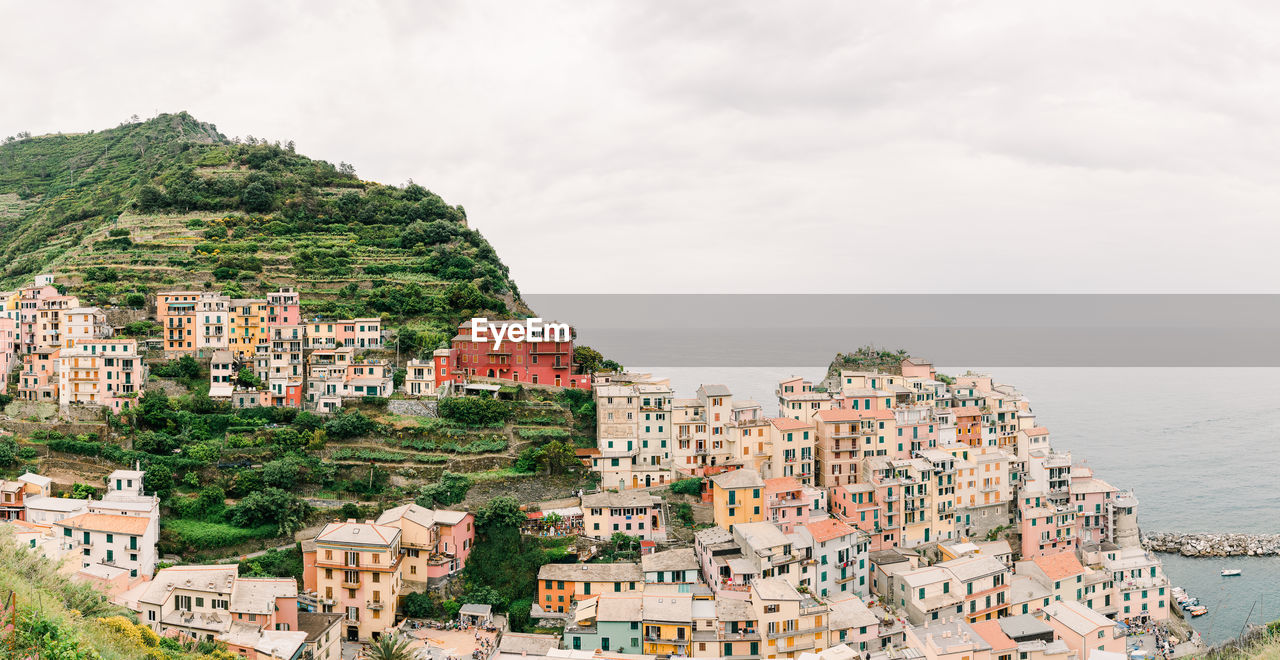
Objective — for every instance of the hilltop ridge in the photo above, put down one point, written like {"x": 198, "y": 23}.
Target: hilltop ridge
{"x": 172, "y": 203}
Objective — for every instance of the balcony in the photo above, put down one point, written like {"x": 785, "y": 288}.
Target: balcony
{"x": 350, "y": 585}
{"x": 375, "y": 604}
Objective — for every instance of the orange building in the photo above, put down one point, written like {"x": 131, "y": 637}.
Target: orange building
{"x": 176, "y": 312}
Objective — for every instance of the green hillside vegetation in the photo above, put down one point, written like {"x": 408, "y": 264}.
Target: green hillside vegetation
{"x": 1259, "y": 643}
{"x": 868, "y": 358}
{"x": 233, "y": 481}
{"x": 56, "y": 618}
{"x": 171, "y": 203}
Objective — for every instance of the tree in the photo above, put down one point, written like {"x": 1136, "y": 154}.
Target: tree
{"x": 246, "y": 378}
{"x": 154, "y": 410}
{"x": 81, "y": 491}
{"x": 559, "y": 457}
{"x": 587, "y": 358}
{"x": 529, "y": 460}
{"x": 8, "y": 452}
{"x": 390, "y": 647}
{"x": 255, "y": 198}
{"x": 158, "y": 479}
{"x": 275, "y": 563}
{"x": 397, "y": 378}
{"x": 519, "y": 614}
{"x": 151, "y": 198}
{"x": 135, "y": 300}
{"x": 283, "y": 473}
{"x": 271, "y": 506}
{"x": 210, "y": 503}
{"x": 485, "y": 595}
{"x": 450, "y": 489}
{"x": 691, "y": 486}
{"x": 417, "y": 605}
{"x": 349, "y": 425}
{"x": 502, "y": 512}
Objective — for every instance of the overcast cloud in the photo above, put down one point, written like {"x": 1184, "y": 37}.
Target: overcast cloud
{"x": 738, "y": 147}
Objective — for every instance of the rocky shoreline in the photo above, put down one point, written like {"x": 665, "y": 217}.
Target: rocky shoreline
{"x": 1214, "y": 545}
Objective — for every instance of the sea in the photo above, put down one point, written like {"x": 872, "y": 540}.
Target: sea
{"x": 1200, "y": 447}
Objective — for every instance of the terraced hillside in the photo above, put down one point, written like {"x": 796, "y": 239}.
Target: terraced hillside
{"x": 172, "y": 203}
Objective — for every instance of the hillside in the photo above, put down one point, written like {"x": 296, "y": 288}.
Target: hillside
{"x": 172, "y": 203}
{"x": 56, "y": 618}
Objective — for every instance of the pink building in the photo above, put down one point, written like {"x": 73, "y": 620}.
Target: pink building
{"x": 283, "y": 307}
{"x": 1091, "y": 498}
{"x": 1084, "y": 630}
{"x": 435, "y": 542}
{"x": 30, "y": 299}
{"x": 39, "y": 378}
{"x": 1046, "y": 529}
{"x": 785, "y": 503}
{"x": 101, "y": 372}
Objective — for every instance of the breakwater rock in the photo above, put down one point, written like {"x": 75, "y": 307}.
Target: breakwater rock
{"x": 1214, "y": 545}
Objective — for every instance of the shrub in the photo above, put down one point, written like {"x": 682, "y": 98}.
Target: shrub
{"x": 474, "y": 411}
{"x": 687, "y": 487}
{"x": 450, "y": 489}
{"x": 199, "y": 534}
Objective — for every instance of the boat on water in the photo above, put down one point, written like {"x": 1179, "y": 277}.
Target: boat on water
{"x": 1198, "y": 610}
{"x": 1229, "y": 572}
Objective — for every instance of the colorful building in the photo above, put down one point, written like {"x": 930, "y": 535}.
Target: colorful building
{"x": 737, "y": 497}
{"x": 355, "y": 569}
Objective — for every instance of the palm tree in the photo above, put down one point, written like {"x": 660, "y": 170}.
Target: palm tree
{"x": 390, "y": 647}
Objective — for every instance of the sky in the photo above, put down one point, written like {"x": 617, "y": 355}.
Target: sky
{"x": 745, "y": 147}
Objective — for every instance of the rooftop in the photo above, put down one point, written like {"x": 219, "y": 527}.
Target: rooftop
{"x": 352, "y": 532}
{"x": 1076, "y": 616}
{"x": 1060, "y": 565}
{"x": 825, "y": 530}
{"x": 107, "y": 522}
{"x": 680, "y": 559}
{"x": 1022, "y": 626}
{"x": 619, "y": 572}
{"x": 743, "y": 478}
{"x": 620, "y": 500}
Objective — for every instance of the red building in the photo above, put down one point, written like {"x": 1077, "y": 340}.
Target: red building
{"x": 525, "y": 351}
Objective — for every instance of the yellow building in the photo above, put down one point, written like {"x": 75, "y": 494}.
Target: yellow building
{"x": 668, "y": 624}
{"x": 248, "y": 320}
{"x": 919, "y": 512}
{"x": 355, "y": 569}
{"x": 790, "y": 622}
{"x": 737, "y": 497}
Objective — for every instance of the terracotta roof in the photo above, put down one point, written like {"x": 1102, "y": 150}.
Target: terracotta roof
{"x": 825, "y": 530}
{"x": 1061, "y": 565}
{"x": 844, "y": 415}
{"x": 990, "y": 632}
{"x": 788, "y": 424}
{"x": 782, "y": 484}
{"x": 1039, "y": 430}
{"x": 107, "y": 522}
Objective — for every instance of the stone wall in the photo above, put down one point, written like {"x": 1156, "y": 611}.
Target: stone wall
{"x": 1214, "y": 545}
